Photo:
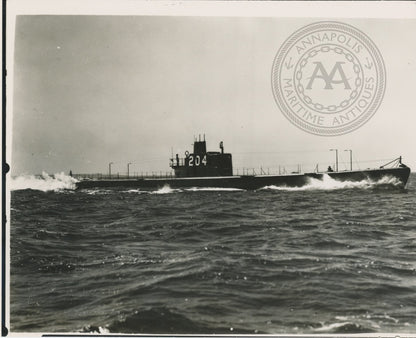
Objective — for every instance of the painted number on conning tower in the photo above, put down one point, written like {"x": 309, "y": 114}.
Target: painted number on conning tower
{"x": 196, "y": 160}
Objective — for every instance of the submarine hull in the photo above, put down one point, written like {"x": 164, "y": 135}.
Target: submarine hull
{"x": 400, "y": 174}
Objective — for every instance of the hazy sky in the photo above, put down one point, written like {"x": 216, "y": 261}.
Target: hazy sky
{"x": 89, "y": 90}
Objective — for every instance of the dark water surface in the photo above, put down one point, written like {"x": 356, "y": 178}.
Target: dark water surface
{"x": 316, "y": 260}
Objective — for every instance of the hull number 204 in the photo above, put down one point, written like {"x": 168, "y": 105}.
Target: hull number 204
{"x": 195, "y": 160}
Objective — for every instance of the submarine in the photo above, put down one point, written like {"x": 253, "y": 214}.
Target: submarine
{"x": 214, "y": 169}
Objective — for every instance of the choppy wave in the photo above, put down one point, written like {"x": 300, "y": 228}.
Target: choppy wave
{"x": 328, "y": 183}
{"x": 357, "y": 323}
{"x": 161, "y": 320}
{"x": 97, "y": 191}
{"x": 343, "y": 327}
{"x": 165, "y": 190}
{"x": 165, "y": 320}
{"x": 45, "y": 182}
{"x": 168, "y": 190}
{"x": 213, "y": 189}
{"x": 126, "y": 260}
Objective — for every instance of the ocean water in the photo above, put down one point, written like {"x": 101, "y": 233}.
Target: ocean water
{"x": 326, "y": 258}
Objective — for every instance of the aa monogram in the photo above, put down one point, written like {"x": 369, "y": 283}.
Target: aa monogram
{"x": 328, "y": 78}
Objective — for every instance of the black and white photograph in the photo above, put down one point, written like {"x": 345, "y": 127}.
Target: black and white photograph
{"x": 210, "y": 167}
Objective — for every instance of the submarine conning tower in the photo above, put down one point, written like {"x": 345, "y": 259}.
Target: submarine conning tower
{"x": 201, "y": 163}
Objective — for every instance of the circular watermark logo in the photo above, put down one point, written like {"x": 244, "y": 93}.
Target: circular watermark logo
{"x": 328, "y": 78}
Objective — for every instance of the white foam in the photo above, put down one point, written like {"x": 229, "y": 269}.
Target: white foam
{"x": 96, "y": 191}
{"x": 165, "y": 190}
{"x": 212, "y": 189}
{"x": 168, "y": 190}
{"x": 328, "y": 183}
{"x": 45, "y": 182}
{"x": 332, "y": 326}
{"x": 134, "y": 191}
{"x": 103, "y": 330}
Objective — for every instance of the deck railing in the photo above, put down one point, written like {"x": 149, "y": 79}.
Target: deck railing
{"x": 122, "y": 176}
